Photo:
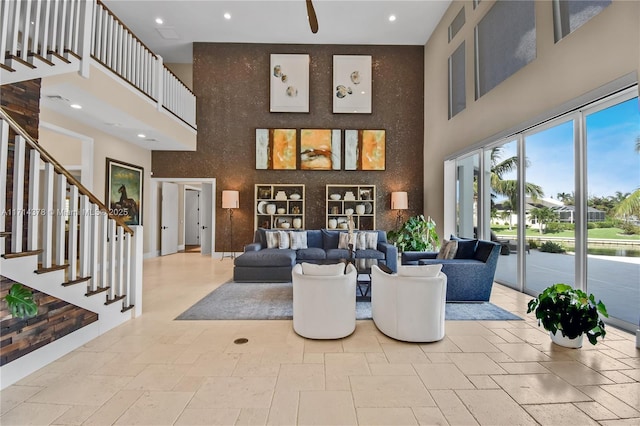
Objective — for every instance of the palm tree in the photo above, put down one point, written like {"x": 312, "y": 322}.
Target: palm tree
{"x": 630, "y": 205}
{"x": 543, "y": 215}
{"x": 509, "y": 187}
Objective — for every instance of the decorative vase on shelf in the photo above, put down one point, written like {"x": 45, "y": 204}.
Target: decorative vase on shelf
{"x": 333, "y": 223}
{"x": 297, "y": 223}
{"x": 359, "y": 209}
{"x": 271, "y": 208}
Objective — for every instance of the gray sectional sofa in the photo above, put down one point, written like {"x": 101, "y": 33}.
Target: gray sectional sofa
{"x": 261, "y": 264}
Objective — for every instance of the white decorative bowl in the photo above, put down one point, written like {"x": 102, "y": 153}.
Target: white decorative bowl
{"x": 335, "y": 196}
{"x": 348, "y": 211}
{"x": 285, "y": 225}
{"x": 281, "y": 210}
{"x": 294, "y": 196}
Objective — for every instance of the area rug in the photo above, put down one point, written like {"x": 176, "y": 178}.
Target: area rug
{"x": 273, "y": 301}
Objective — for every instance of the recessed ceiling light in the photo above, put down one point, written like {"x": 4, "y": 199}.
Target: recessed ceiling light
{"x": 76, "y": 106}
{"x": 142, "y": 135}
{"x": 159, "y": 21}
{"x": 392, "y": 18}
{"x": 227, "y": 15}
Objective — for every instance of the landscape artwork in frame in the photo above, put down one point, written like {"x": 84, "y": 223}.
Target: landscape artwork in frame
{"x": 289, "y": 75}
{"x": 320, "y": 149}
{"x": 276, "y": 149}
{"x": 124, "y": 191}
{"x": 364, "y": 149}
{"x": 352, "y": 84}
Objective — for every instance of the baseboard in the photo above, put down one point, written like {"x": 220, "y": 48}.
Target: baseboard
{"x": 181, "y": 247}
{"x": 638, "y": 338}
{"x": 152, "y": 254}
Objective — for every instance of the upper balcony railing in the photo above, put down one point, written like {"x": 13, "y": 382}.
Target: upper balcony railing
{"x": 47, "y": 30}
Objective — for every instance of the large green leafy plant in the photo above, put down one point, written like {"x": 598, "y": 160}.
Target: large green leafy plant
{"x": 570, "y": 310}
{"x": 416, "y": 234}
{"x": 20, "y": 302}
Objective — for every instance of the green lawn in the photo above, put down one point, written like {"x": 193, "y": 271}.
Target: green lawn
{"x": 601, "y": 233}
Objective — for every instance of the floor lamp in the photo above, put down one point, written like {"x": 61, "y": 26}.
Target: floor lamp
{"x": 400, "y": 202}
{"x": 230, "y": 201}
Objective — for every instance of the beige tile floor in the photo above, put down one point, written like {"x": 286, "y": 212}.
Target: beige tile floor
{"x": 157, "y": 371}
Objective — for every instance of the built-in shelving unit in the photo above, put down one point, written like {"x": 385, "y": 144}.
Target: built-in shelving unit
{"x": 279, "y": 206}
{"x": 344, "y": 199}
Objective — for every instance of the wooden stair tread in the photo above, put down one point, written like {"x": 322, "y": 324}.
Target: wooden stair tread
{"x": 50, "y": 269}
{"x": 22, "y": 61}
{"x": 76, "y": 281}
{"x": 41, "y": 58}
{"x": 97, "y": 291}
{"x": 127, "y": 308}
{"x": 59, "y": 56}
{"x": 5, "y": 234}
{"x": 114, "y": 300}
{"x": 22, "y": 254}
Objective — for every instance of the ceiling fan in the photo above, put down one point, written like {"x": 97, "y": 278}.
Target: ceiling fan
{"x": 313, "y": 19}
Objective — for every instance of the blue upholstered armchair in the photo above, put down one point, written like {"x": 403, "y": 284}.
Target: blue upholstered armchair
{"x": 469, "y": 275}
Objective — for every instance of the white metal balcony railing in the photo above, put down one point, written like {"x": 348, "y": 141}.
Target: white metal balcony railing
{"x": 41, "y": 33}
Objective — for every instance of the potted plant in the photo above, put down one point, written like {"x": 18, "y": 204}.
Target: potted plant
{"x": 416, "y": 234}
{"x": 20, "y": 302}
{"x": 568, "y": 314}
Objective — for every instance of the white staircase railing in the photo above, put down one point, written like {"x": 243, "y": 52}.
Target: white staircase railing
{"x": 67, "y": 227}
{"x": 39, "y": 35}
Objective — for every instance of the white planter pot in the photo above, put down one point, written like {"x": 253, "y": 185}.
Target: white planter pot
{"x": 561, "y": 340}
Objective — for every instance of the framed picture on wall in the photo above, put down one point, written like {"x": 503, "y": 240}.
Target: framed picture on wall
{"x": 276, "y": 149}
{"x": 320, "y": 149}
{"x": 364, "y": 149}
{"x": 289, "y": 83}
{"x": 124, "y": 191}
{"x": 352, "y": 84}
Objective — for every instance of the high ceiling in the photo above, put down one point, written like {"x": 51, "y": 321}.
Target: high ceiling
{"x": 270, "y": 21}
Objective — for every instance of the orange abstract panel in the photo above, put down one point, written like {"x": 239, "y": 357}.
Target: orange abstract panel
{"x": 284, "y": 149}
{"x": 373, "y": 150}
{"x": 315, "y": 149}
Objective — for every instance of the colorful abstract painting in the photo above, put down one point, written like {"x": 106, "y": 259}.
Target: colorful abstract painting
{"x": 364, "y": 149}
{"x": 320, "y": 149}
{"x": 276, "y": 149}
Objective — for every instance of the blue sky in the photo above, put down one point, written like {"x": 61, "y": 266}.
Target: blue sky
{"x": 612, "y": 162}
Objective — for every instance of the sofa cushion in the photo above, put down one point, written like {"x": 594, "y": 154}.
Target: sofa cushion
{"x": 323, "y": 270}
{"x": 311, "y": 253}
{"x": 298, "y": 239}
{"x": 448, "y": 250}
{"x": 367, "y": 240}
{"x": 267, "y": 257}
{"x": 330, "y": 239}
{"x": 314, "y": 238}
{"x": 369, "y": 254}
{"x": 337, "y": 253}
{"x": 466, "y": 248}
{"x": 272, "y": 238}
{"x": 419, "y": 270}
{"x": 343, "y": 241}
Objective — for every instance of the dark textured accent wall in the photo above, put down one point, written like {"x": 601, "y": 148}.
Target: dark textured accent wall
{"x": 22, "y": 102}
{"x": 231, "y": 82}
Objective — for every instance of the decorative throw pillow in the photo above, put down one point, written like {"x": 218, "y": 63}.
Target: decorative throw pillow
{"x": 367, "y": 240}
{"x": 272, "y": 239}
{"x": 419, "y": 270}
{"x": 343, "y": 242}
{"x": 323, "y": 270}
{"x": 298, "y": 240}
{"x": 448, "y": 250}
{"x": 283, "y": 239}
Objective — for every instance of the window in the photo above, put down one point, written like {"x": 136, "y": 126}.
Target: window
{"x": 569, "y": 15}
{"x": 457, "y": 24}
{"x": 505, "y": 42}
{"x": 561, "y": 198}
{"x": 457, "y": 87}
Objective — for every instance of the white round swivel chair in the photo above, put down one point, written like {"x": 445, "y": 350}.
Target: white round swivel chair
{"x": 324, "y": 306}
{"x": 410, "y": 307}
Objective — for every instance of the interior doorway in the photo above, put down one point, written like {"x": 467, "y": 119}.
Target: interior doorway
{"x": 191, "y": 220}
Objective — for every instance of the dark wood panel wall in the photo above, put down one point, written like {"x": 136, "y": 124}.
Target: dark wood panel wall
{"x": 231, "y": 82}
